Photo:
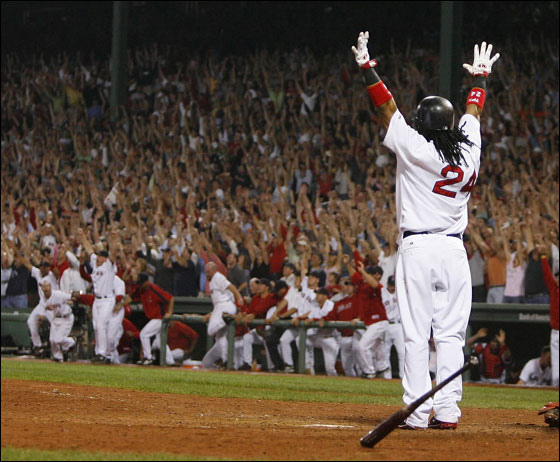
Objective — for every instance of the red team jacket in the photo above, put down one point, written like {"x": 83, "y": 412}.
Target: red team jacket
{"x": 180, "y": 336}
{"x": 552, "y": 287}
{"x": 344, "y": 310}
{"x": 154, "y": 300}
{"x": 258, "y": 307}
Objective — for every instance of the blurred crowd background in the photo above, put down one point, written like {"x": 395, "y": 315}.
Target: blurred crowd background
{"x": 254, "y": 137}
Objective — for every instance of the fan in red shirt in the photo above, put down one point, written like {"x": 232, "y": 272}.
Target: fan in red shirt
{"x": 276, "y": 256}
{"x": 495, "y": 356}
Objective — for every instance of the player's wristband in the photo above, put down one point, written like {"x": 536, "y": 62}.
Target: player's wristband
{"x": 369, "y": 65}
{"x": 379, "y": 94}
{"x": 477, "y": 96}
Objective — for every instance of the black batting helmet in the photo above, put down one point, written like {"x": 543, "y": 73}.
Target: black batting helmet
{"x": 434, "y": 113}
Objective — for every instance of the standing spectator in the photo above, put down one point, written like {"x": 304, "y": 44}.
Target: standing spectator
{"x": 495, "y": 356}
{"x": 16, "y": 290}
{"x": 157, "y": 304}
{"x": 6, "y": 274}
{"x": 276, "y": 256}
{"x": 535, "y": 287}
{"x": 164, "y": 276}
{"x": 537, "y": 372}
{"x": 552, "y": 285}
{"x": 476, "y": 265}
{"x": 236, "y": 275}
{"x": 185, "y": 282}
{"x": 515, "y": 271}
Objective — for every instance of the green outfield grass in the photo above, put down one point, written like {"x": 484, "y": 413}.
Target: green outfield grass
{"x": 38, "y": 454}
{"x": 261, "y": 386}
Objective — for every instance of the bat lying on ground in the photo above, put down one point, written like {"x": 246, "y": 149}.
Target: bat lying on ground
{"x": 393, "y": 421}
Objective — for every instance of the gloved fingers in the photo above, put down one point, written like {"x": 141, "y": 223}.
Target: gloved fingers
{"x": 494, "y": 59}
{"x": 355, "y": 51}
{"x": 469, "y": 68}
{"x": 476, "y": 54}
{"x": 488, "y": 51}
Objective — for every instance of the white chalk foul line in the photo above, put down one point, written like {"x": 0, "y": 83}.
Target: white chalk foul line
{"x": 329, "y": 426}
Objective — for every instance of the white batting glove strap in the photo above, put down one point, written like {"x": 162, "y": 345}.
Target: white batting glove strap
{"x": 361, "y": 53}
{"x": 482, "y": 64}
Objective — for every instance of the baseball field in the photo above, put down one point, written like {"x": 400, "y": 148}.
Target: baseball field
{"x": 78, "y": 411}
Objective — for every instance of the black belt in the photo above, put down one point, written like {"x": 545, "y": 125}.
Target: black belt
{"x": 59, "y": 316}
{"x": 412, "y": 233}
{"x": 104, "y": 296}
{"x": 394, "y": 322}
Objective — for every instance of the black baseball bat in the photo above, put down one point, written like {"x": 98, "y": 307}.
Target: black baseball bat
{"x": 393, "y": 421}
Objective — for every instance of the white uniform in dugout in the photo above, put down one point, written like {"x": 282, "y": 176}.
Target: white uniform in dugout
{"x": 394, "y": 335}
{"x": 62, "y": 321}
{"x": 432, "y": 277}
{"x": 39, "y": 311}
{"x": 103, "y": 278}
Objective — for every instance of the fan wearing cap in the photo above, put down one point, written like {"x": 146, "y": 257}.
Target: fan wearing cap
{"x": 224, "y": 295}
{"x": 323, "y": 338}
{"x": 103, "y": 279}
{"x": 345, "y": 309}
{"x": 395, "y": 335}
{"x": 157, "y": 304}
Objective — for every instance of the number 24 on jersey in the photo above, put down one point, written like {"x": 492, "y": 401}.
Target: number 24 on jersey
{"x": 439, "y": 186}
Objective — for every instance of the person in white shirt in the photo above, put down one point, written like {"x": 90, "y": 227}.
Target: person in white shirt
{"x": 224, "y": 295}
{"x": 538, "y": 371}
{"x": 437, "y": 168}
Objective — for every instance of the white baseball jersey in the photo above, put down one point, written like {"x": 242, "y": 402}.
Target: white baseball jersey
{"x": 36, "y": 273}
{"x": 219, "y": 291}
{"x": 103, "y": 277}
{"x": 388, "y": 263}
{"x": 119, "y": 287}
{"x": 533, "y": 374}
{"x": 391, "y": 306}
{"x": 295, "y": 300}
{"x": 431, "y": 195}
{"x": 309, "y": 298}
{"x": 57, "y": 301}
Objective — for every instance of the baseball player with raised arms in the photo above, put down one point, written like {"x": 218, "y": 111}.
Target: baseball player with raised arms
{"x": 394, "y": 335}
{"x": 103, "y": 279}
{"x": 437, "y": 168}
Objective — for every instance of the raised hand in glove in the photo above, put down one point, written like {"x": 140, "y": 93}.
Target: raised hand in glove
{"x": 361, "y": 53}
{"x": 482, "y": 64}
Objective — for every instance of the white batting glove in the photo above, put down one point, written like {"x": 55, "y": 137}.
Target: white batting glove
{"x": 361, "y": 53}
{"x": 482, "y": 64}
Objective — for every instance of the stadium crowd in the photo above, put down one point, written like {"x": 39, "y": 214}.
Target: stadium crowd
{"x": 268, "y": 164}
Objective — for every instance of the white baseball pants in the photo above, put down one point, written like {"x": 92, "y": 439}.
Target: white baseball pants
{"x": 102, "y": 311}
{"x": 554, "y": 353}
{"x": 33, "y": 323}
{"x": 330, "y": 347}
{"x": 286, "y": 340}
{"x": 433, "y": 283}
{"x": 114, "y": 334}
{"x": 60, "y": 328}
{"x": 373, "y": 344}
{"x": 253, "y": 338}
{"x": 153, "y": 328}
{"x": 395, "y": 336}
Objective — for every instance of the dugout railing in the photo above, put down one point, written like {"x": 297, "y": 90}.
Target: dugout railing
{"x": 14, "y": 323}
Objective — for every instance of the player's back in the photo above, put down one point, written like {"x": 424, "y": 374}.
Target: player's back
{"x": 432, "y": 195}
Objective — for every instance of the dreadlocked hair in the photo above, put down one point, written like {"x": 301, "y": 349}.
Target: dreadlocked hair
{"x": 448, "y": 144}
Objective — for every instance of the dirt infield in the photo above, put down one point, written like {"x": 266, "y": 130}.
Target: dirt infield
{"x": 59, "y": 416}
